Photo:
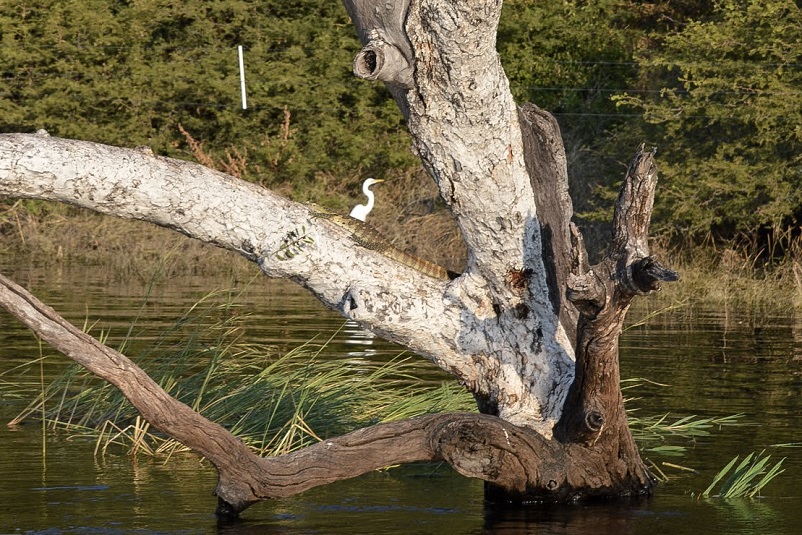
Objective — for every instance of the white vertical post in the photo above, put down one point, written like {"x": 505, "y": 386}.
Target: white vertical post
{"x": 242, "y": 77}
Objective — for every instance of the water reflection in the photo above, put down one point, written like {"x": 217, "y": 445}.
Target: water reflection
{"x": 717, "y": 363}
{"x": 362, "y": 340}
{"x": 576, "y": 520}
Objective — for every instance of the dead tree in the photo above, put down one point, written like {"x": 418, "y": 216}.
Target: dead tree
{"x": 530, "y": 328}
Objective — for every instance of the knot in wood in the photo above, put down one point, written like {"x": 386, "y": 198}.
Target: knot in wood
{"x": 644, "y": 275}
{"x": 470, "y": 448}
{"x": 387, "y": 53}
{"x": 594, "y": 420}
{"x": 587, "y": 292}
{"x": 379, "y": 60}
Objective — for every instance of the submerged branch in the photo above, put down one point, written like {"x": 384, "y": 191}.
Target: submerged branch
{"x": 516, "y": 459}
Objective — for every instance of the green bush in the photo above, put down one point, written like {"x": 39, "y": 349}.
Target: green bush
{"x": 721, "y": 97}
{"x": 714, "y": 85}
{"x": 128, "y": 73}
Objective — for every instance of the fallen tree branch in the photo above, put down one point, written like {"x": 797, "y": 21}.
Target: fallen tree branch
{"x": 518, "y": 460}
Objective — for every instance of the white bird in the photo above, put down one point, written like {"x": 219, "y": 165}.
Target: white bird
{"x": 361, "y": 211}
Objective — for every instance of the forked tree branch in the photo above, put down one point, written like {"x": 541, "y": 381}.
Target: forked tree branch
{"x": 504, "y": 328}
{"x": 513, "y": 458}
{"x": 594, "y": 411}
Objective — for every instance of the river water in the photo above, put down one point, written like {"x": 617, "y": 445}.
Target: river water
{"x": 715, "y": 362}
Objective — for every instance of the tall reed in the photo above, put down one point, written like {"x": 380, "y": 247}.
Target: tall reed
{"x": 279, "y": 402}
{"x": 274, "y": 402}
{"x": 747, "y": 479}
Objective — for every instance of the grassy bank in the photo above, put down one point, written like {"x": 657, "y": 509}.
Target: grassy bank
{"x": 735, "y": 277}
{"x": 407, "y": 212}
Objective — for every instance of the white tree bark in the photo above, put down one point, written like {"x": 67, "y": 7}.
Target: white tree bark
{"x": 465, "y": 124}
{"x": 452, "y": 324}
{"x": 494, "y": 327}
{"x": 497, "y": 327}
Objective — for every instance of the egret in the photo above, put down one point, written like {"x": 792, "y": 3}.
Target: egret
{"x": 361, "y": 211}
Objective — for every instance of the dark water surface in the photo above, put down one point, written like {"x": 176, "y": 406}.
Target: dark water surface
{"x": 717, "y": 363}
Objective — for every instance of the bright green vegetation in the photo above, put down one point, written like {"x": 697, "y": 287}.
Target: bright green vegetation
{"x": 747, "y": 479}
{"x": 722, "y": 97}
{"x": 714, "y": 85}
{"x": 275, "y": 403}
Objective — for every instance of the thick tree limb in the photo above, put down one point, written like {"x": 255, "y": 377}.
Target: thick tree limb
{"x": 547, "y": 166}
{"x": 594, "y": 412}
{"x": 464, "y": 123}
{"x": 462, "y": 326}
{"x": 513, "y": 458}
{"x": 287, "y": 239}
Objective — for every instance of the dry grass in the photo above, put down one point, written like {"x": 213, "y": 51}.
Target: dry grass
{"x": 408, "y": 212}
{"x": 737, "y": 276}
{"x": 411, "y": 215}
{"x": 52, "y": 235}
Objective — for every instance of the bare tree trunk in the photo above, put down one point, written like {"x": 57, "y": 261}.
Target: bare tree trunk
{"x": 530, "y": 328}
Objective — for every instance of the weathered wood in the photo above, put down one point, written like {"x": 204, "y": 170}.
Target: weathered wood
{"x": 594, "y": 414}
{"x": 516, "y": 459}
{"x": 465, "y": 126}
{"x": 546, "y": 164}
{"x": 387, "y": 54}
{"x": 593, "y": 453}
{"x": 508, "y": 328}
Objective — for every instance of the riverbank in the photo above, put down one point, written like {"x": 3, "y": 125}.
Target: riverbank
{"x": 408, "y": 213}
{"x": 50, "y": 235}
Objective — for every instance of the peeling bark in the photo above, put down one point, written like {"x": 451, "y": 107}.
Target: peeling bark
{"x": 530, "y": 328}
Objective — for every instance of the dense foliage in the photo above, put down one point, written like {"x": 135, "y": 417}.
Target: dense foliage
{"x": 723, "y": 98}
{"x": 714, "y": 85}
{"x": 128, "y": 73}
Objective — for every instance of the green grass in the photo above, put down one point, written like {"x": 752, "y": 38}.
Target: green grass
{"x": 280, "y": 402}
{"x": 274, "y": 402}
{"x": 747, "y": 479}
{"x": 652, "y": 432}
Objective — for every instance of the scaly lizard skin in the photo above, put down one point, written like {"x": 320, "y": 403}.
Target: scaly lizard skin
{"x": 368, "y": 237}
